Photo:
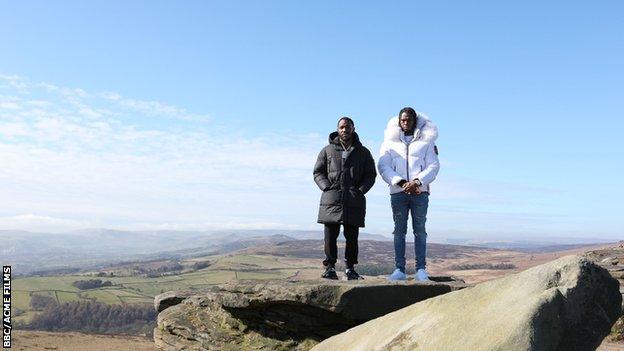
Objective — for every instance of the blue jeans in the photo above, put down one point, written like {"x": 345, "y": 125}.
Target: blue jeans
{"x": 402, "y": 205}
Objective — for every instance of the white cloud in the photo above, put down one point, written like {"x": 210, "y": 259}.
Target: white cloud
{"x": 76, "y": 159}
{"x": 7, "y": 105}
{"x": 11, "y": 129}
{"x": 32, "y": 222}
{"x": 223, "y": 225}
{"x": 36, "y": 223}
{"x": 99, "y": 158}
{"x": 152, "y": 108}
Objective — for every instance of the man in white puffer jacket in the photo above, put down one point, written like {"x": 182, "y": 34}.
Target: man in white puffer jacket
{"x": 409, "y": 163}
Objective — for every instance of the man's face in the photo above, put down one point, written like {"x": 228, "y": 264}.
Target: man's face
{"x": 345, "y": 130}
{"x": 406, "y": 123}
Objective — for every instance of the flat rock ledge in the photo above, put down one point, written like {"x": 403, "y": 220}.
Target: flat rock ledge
{"x": 280, "y": 315}
{"x": 565, "y": 305}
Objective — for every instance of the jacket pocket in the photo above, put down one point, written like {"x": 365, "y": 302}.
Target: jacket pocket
{"x": 355, "y": 198}
{"x": 331, "y": 197}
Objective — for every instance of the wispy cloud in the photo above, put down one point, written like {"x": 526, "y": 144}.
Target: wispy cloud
{"x": 49, "y": 224}
{"x": 100, "y": 157}
{"x": 76, "y": 159}
{"x": 38, "y": 223}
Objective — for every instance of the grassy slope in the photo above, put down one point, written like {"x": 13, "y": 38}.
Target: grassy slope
{"x": 265, "y": 262}
{"x": 141, "y": 290}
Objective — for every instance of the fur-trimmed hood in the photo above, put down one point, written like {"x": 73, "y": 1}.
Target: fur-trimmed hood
{"x": 425, "y": 131}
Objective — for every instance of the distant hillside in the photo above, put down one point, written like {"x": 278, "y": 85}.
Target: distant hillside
{"x": 369, "y": 250}
{"x": 307, "y": 234}
{"x": 533, "y": 246}
{"x": 45, "y": 253}
{"x": 53, "y": 253}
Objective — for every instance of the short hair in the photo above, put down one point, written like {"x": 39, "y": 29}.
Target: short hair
{"x": 410, "y": 114}
{"x": 346, "y": 119}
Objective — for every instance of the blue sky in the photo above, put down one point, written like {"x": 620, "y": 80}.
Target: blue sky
{"x": 202, "y": 115}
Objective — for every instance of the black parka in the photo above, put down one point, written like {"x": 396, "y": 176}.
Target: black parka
{"x": 344, "y": 182}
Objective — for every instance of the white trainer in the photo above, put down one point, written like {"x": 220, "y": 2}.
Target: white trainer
{"x": 421, "y": 275}
{"x": 397, "y": 275}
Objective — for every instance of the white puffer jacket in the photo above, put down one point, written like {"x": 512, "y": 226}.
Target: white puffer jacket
{"x": 415, "y": 160}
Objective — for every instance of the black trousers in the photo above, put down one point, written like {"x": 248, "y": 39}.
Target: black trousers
{"x": 351, "y": 233}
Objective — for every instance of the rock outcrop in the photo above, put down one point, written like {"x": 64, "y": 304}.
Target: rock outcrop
{"x": 612, "y": 259}
{"x": 279, "y": 315}
{"x": 567, "y": 304}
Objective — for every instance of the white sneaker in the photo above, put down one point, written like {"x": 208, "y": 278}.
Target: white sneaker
{"x": 397, "y": 275}
{"x": 421, "y": 275}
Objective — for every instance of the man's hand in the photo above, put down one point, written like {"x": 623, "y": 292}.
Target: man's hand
{"x": 411, "y": 187}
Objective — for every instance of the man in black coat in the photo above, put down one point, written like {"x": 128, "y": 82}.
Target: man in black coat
{"x": 344, "y": 171}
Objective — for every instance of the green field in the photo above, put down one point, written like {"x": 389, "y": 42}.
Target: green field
{"x": 100, "y": 295}
{"x": 252, "y": 261}
{"x": 20, "y": 300}
{"x": 46, "y": 283}
{"x": 26, "y": 317}
{"x": 141, "y": 289}
{"x": 65, "y": 296}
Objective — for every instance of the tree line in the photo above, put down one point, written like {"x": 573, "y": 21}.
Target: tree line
{"x": 91, "y": 284}
{"x": 95, "y": 317}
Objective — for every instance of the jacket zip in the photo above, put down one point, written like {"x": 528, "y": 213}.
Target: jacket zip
{"x": 343, "y": 162}
{"x": 407, "y": 160}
